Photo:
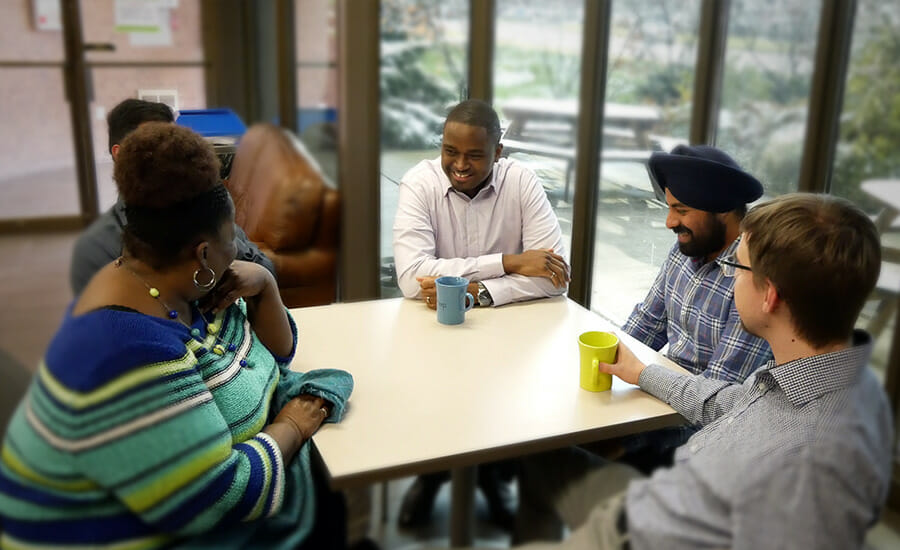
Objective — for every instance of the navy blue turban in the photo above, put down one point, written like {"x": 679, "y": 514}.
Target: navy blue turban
{"x": 704, "y": 178}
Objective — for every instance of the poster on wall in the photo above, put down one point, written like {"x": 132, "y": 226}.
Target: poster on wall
{"x": 147, "y": 22}
{"x": 46, "y": 15}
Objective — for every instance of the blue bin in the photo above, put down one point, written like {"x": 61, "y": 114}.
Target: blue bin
{"x": 211, "y": 123}
{"x": 221, "y": 127}
{"x": 310, "y": 117}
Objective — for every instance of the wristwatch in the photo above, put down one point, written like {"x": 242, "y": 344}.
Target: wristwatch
{"x": 484, "y": 297}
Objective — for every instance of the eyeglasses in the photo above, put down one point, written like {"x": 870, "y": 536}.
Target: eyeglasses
{"x": 729, "y": 265}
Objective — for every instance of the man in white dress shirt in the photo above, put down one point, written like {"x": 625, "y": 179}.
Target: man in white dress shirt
{"x": 470, "y": 213}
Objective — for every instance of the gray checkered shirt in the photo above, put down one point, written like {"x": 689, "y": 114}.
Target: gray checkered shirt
{"x": 797, "y": 456}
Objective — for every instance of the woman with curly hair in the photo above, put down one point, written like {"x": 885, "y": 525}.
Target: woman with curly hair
{"x": 164, "y": 412}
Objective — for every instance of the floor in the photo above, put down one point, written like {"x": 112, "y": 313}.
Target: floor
{"x": 34, "y": 289}
{"x": 389, "y": 536}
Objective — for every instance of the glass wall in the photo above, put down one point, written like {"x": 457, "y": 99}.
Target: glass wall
{"x": 424, "y": 45}
{"x": 770, "y": 52}
{"x": 162, "y": 63}
{"x": 867, "y": 167}
{"x": 317, "y": 80}
{"x": 650, "y": 80}
{"x": 537, "y": 75}
{"x": 37, "y": 159}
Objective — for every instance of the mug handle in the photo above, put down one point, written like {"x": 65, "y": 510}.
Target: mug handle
{"x": 595, "y": 372}
{"x": 471, "y": 300}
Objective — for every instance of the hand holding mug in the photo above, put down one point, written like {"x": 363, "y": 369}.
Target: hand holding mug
{"x": 596, "y": 348}
{"x": 626, "y": 366}
{"x": 429, "y": 291}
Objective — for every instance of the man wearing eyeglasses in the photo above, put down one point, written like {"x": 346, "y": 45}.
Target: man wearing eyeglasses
{"x": 690, "y": 306}
{"x": 799, "y": 455}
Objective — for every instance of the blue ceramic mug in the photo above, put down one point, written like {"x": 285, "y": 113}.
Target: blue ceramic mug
{"x": 451, "y": 299}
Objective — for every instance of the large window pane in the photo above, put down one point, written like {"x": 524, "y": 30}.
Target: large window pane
{"x": 166, "y": 66}
{"x": 37, "y": 160}
{"x": 114, "y": 84}
{"x": 537, "y": 74}
{"x": 652, "y": 52}
{"x": 867, "y": 167}
{"x": 317, "y": 78}
{"x": 423, "y": 73}
{"x": 769, "y": 60}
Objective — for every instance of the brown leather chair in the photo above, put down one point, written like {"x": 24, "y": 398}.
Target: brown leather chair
{"x": 290, "y": 210}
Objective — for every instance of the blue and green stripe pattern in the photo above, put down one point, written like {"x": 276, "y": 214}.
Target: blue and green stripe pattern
{"x": 132, "y": 435}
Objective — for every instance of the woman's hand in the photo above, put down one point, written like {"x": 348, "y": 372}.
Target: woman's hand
{"x": 305, "y": 413}
{"x": 265, "y": 310}
{"x": 240, "y": 280}
{"x": 297, "y": 421}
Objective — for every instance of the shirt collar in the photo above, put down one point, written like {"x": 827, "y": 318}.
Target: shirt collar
{"x": 118, "y": 211}
{"x": 812, "y": 377}
{"x": 448, "y": 187}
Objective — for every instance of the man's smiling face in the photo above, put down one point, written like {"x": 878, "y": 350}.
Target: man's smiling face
{"x": 467, "y": 156}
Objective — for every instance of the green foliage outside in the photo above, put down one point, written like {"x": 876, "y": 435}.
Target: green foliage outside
{"x": 415, "y": 94}
{"x": 763, "y": 114}
{"x": 414, "y": 101}
{"x": 870, "y": 126}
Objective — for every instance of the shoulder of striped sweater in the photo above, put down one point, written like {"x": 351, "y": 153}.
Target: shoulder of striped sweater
{"x": 94, "y": 348}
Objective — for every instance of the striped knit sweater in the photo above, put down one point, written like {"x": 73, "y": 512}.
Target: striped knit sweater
{"x": 132, "y": 435}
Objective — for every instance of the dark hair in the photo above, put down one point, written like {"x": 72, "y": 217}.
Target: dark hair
{"x": 823, "y": 255}
{"x": 475, "y": 112}
{"x": 168, "y": 178}
{"x": 125, "y": 117}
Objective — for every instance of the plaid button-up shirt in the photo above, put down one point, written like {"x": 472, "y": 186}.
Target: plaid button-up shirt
{"x": 797, "y": 456}
{"x": 691, "y": 306}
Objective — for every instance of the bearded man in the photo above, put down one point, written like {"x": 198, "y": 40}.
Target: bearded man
{"x": 690, "y": 306}
{"x": 691, "y": 303}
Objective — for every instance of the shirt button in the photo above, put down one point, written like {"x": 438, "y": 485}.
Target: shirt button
{"x": 730, "y": 420}
{"x": 695, "y": 448}
{"x": 762, "y": 386}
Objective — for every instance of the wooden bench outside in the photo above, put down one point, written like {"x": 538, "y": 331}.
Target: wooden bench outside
{"x": 567, "y": 154}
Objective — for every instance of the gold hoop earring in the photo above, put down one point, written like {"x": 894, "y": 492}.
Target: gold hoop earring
{"x": 209, "y": 284}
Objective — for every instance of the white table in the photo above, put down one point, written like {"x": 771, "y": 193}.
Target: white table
{"x": 430, "y": 397}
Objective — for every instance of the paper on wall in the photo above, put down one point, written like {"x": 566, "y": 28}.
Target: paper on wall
{"x": 147, "y": 22}
{"x": 46, "y": 15}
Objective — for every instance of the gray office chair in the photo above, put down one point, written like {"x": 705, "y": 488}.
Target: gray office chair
{"x": 14, "y": 380}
